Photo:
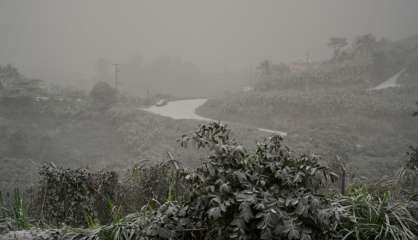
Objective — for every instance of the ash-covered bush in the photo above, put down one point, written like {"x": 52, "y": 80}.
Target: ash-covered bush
{"x": 75, "y": 196}
{"x": 269, "y": 193}
{"x": 103, "y": 96}
{"x": 409, "y": 175}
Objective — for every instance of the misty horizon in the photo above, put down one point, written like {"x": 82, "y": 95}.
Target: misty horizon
{"x": 63, "y": 40}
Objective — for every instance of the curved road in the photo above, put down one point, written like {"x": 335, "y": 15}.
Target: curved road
{"x": 186, "y": 109}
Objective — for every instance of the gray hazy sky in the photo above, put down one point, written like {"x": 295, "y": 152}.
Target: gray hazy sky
{"x": 62, "y": 38}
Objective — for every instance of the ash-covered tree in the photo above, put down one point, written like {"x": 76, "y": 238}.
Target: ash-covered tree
{"x": 15, "y": 87}
{"x": 337, "y": 43}
{"x": 365, "y": 43}
{"x": 103, "y": 96}
{"x": 264, "y": 68}
{"x": 8, "y": 74}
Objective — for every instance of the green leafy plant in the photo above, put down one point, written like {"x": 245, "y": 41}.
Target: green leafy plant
{"x": 20, "y": 211}
{"x": 115, "y": 211}
{"x": 90, "y": 220}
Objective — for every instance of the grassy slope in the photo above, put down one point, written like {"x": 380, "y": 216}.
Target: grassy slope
{"x": 371, "y": 130}
{"x": 115, "y": 141}
{"x": 151, "y": 136}
{"x": 65, "y": 141}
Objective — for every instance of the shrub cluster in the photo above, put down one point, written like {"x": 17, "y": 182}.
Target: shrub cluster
{"x": 103, "y": 96}
{"x": 75, "y": 197}
{"x": 269, "y": 193}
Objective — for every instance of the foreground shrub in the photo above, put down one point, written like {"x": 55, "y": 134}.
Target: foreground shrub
{"x": 75, "y": 197}
{"x": 409, "y": 175}
{"x": 267, "y": 194}
{"x": 237, "y": 194}
{"x": 169, "y": 221}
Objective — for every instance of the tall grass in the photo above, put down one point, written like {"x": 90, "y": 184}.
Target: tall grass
{"x": 15, "y": 210}
{"x": 376, "y": 217}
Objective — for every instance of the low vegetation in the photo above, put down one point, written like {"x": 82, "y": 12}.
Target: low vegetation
{"x": 377, "y": 217}
{"x": 266, "y": 193}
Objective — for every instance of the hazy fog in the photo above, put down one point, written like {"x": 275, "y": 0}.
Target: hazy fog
{"x": 63, "y": 40}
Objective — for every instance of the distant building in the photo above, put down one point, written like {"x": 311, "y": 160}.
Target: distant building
{"x": 298, "y": 66}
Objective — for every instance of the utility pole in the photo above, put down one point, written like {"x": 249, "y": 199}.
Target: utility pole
{"x": 116, "y": 66}
{"x": 251, "y": 82}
